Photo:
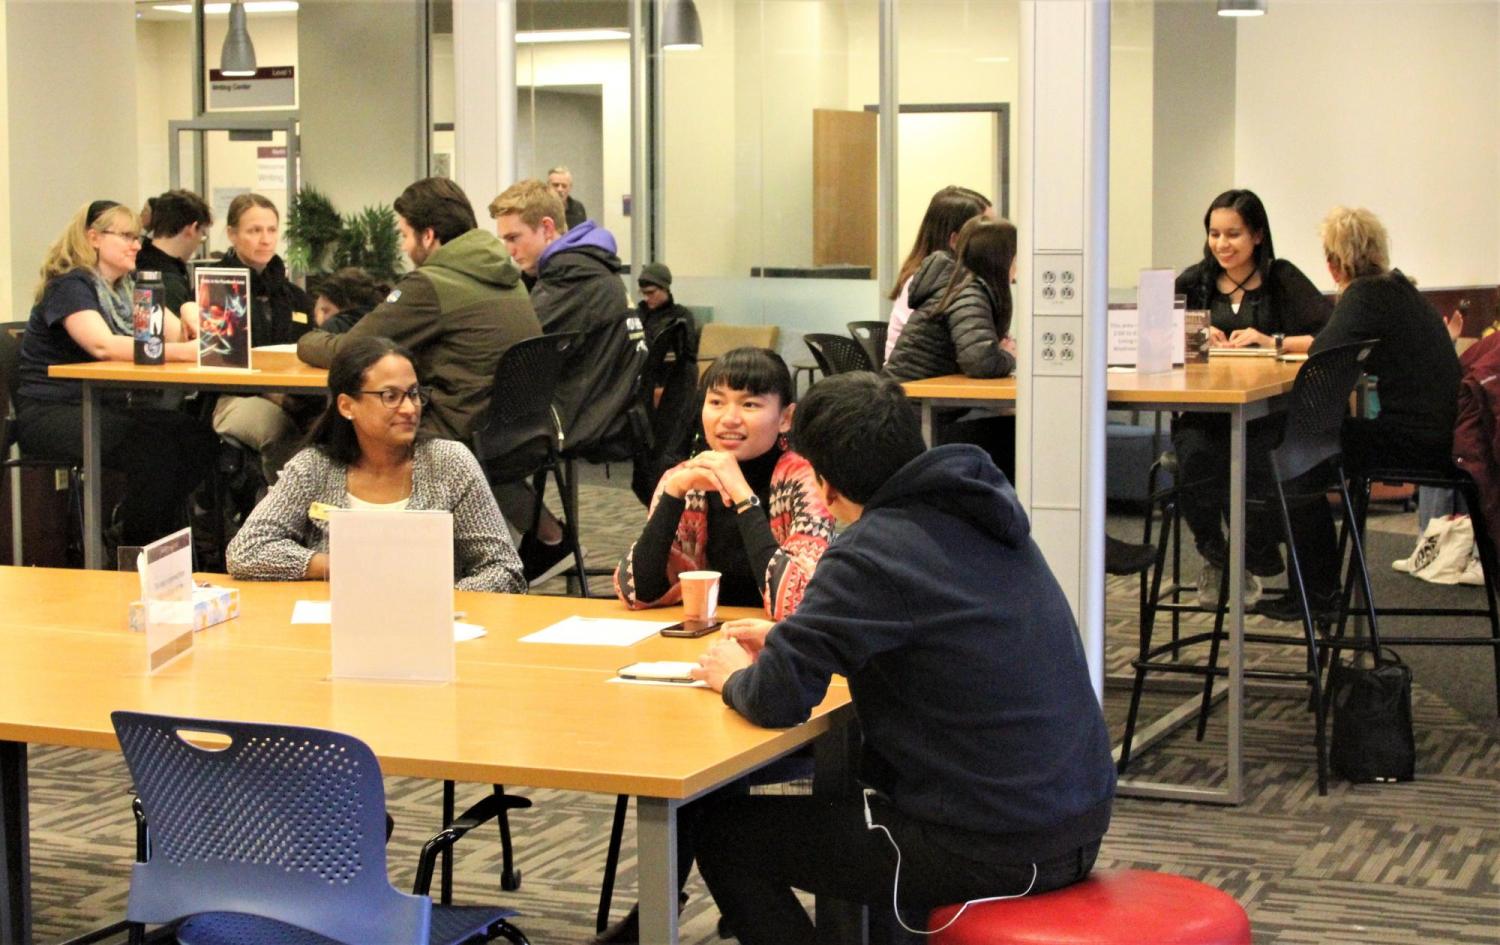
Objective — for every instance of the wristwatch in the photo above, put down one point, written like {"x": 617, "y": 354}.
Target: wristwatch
{"x": 746, "y": 504}
{"x": 1280, "y": 341}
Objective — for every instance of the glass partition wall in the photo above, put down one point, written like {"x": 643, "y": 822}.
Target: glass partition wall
{"x": 770, "y": 165}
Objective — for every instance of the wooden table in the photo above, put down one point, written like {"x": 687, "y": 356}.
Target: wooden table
{"x": 274, "y": 372}
{"x": 1244, "y": 389}
{"x": 519, "y": 713}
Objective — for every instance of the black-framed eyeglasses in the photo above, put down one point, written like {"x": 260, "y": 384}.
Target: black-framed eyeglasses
{"x": 391, "y": 398}
{"x": 127, "y": 237}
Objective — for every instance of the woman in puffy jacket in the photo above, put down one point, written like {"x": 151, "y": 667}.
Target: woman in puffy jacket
{"x": 963, "y": 329}
{"x": 947, "y": 212}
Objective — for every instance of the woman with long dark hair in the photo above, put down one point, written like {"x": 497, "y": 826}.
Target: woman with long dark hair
{"x": 364, "y": 453}
{"x": 965, "y": 328}
{"x": 1254, "y": 299}
{"x": 932, "y": 254}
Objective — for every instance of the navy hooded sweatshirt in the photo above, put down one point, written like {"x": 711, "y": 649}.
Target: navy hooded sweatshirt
{"x": 962, "y": 657}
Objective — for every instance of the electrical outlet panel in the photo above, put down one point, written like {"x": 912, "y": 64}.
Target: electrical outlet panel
{"x": 1057, "y": 345}
{"x": 1057, "y": 283}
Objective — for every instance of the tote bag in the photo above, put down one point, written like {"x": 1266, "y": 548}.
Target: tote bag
{"x": 1372, "y": 727}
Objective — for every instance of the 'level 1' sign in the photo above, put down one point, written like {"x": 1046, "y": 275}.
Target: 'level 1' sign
{"x": 270, "y": 87}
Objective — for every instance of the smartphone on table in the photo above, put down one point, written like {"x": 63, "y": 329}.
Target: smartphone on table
{"x": 692, "y": 628}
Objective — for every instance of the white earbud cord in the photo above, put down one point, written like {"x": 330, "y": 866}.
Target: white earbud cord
{"x": 896, "y": 883}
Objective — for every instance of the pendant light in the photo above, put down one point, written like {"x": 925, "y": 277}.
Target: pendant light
{"x": 237, "y": 58}
{"x": 1242, "y": 7}
{"x": 681, "y": 28}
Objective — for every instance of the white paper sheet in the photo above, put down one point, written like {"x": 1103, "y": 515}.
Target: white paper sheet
{"x": 320, "y": 611}
{"x": 285, "y": 349}
{"x": 597, "y": 631}
{"x": 312, "y": 611}
{"x": 467, "y": 631}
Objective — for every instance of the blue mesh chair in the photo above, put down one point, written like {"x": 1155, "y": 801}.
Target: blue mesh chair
{"x": 279, "y": 837}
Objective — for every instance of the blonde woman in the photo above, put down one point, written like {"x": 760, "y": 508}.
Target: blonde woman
{"x": 1414, "y": 359}
{"x": 82, "y": 312}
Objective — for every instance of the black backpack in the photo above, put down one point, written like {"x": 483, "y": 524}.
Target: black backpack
{"x": 610, "y": 419}
{"x": 673, "y": 415}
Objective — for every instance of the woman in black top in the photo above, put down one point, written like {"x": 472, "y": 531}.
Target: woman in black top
{"x": 280, "y": 313}
{"x": 1254, "y": 300}
{"x": 83, "y": 313}
{"x": 177, "y": 222}
{"x": 1414, "y": 360}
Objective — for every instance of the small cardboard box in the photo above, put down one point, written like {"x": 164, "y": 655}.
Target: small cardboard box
{"x": 211, "y": 605}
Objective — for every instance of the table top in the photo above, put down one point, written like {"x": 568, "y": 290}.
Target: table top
{"x": 521, "y": 713}
{"x": 270, "y": 370}
{"x": 1220, "y": 381}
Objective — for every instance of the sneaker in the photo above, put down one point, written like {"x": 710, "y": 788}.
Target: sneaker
{"x": 1208, "y": 588}
{"x": 1473, "y": 571}
{"x": 1121, "y": 557}
{"x": 541, "y": 561}
{"x": 1324, "y": 607}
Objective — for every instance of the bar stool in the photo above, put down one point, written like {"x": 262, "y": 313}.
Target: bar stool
{"x": 1304, "y": 466}
{"x": 1459, "y": 481}
{"x": 1125, "y": 907}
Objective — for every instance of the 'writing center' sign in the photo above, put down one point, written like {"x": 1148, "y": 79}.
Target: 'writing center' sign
{"x": 271, "y": 86}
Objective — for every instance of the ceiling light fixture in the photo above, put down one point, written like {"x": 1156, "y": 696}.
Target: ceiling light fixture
{"x": 219, "y": 9}
{"x": 237, "y": 58}
{"x": 1242, "y": 7}
{"x": 524, "y": 37}
{"x": 681, "y": 28}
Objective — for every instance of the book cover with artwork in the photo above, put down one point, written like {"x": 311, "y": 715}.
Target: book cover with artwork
{"x": 223, "y": 317}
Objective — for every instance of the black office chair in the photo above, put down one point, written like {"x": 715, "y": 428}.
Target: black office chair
{"x": 518, "y": 437}
{"x": 1305, "y": 466}
{"x": 871, "y": 337}
{"x": 836, "y": 354}
{"x": 1489, "y": 563}
{"x": 10, "y": 383}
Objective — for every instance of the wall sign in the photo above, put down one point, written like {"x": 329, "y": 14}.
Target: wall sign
{"x": 270, "y": 87}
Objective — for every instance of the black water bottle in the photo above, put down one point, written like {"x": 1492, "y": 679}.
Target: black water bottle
{"x": 149, "y": 317}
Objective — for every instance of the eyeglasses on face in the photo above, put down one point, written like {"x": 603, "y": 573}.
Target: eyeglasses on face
{"x": 391, "y": 397}
{"x": 134, "y": 238}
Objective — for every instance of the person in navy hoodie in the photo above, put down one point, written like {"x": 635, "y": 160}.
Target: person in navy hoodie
{"x": 986, "y": 758}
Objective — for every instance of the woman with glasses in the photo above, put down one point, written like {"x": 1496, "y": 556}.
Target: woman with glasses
{"x": 364, "y": 453}
{"x": 83, "y": 312}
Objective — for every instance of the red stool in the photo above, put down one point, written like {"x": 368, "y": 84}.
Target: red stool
{"x": 1124, "y": 907}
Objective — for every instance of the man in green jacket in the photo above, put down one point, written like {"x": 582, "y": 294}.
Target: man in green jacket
{"x": 458, "y": 311}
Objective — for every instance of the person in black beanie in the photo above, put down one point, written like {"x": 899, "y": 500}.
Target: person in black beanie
{"x": 658, "y": 310}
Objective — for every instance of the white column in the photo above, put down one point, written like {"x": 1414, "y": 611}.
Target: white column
{"x": 1062, "y": 297}
{"x": 484, "y": 99}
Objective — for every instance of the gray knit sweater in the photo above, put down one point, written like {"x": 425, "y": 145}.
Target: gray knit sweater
{"x": 279, "y": 537}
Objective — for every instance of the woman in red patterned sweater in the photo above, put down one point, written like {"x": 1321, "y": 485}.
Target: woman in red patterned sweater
{"x": 746, "y": 506}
